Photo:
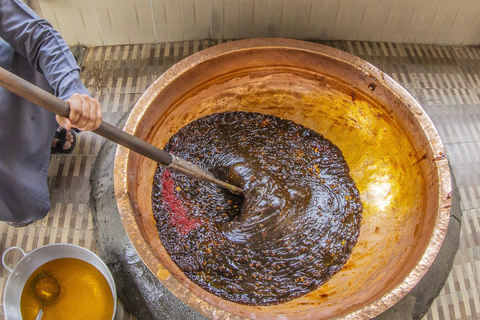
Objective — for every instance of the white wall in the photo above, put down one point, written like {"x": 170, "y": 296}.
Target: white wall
{"x": 113, "y": 22}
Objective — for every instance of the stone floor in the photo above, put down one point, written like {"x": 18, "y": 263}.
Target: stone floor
{"x": 444, "y": 79}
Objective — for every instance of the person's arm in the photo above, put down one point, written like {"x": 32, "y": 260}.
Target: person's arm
{"x": 47, "y": 52}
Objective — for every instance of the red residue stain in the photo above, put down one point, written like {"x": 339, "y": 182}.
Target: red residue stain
{"x": 180, "y": 219}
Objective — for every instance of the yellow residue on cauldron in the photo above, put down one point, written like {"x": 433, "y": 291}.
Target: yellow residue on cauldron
{"x": 84, "y": 292}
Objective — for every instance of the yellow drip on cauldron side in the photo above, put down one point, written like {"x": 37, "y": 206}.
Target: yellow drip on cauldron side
{"x": 84, "y": 292}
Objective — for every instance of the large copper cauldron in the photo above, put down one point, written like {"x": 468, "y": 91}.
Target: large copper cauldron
{"x": 392, "y": 148}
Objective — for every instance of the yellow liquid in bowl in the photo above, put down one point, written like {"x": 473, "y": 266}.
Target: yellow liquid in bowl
{"x": 84, "y": 293}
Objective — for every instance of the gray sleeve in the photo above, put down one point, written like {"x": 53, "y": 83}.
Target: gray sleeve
{"x": 42, "y": 45}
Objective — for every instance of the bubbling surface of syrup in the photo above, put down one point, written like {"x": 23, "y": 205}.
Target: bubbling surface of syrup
{"x": 295, "y": 227}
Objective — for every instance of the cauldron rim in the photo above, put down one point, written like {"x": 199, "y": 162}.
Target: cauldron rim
{"x": 181, "y": 289}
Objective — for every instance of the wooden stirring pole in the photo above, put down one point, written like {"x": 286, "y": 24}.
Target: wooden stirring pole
{"x": 48, "y": 101}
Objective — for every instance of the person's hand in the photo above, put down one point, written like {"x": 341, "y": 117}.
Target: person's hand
{"x": 85, "y": 113}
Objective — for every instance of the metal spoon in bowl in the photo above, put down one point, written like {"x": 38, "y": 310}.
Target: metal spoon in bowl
{"x": 46, "y": 289}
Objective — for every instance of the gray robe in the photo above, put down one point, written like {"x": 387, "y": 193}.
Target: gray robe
{"x": 32, "y": 49}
